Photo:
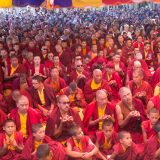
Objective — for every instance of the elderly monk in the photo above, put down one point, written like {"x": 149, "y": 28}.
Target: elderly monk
{"x": 94, "y": 84}
{"x": 96, "y": 112}
{"x": 43, "y": 96}
{"x": 62, "y": 119}
{"x": 55, "y": 81}
{"x": 25, "y": 116}
{"x": 140, "y": 88}
{"x": 130, "y": 113}
{"x": 152, "y": 146}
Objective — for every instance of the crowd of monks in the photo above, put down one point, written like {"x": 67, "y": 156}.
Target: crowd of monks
{"x": 91, "y": 92}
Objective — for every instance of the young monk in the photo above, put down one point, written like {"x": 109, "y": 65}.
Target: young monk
{"x": 152, "y": 146}
{"x": 106, "y": 139}
{"x": 39, "y": 137}
{"x": 11, "y": 142}
{"x": 147, "y": 126}
{"x": 44, "y": 152}
{"x": 126, "y": 149}
{"x": 80, "y": 146}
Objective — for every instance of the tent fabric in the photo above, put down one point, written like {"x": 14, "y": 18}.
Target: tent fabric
{"x": 116, "y": 2}
{"x": 22, "y": 3}
{"x": 84, "y": 3}
{"x": 5, "y": 3}
{"x": 67, "y": 3}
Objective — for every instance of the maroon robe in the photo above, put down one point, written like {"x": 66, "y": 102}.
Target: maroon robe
{"x": 8, "y": 83}
{"x": 148, "y": 129}
{"x": 56, "y": 148}
{"x": 62, "y": 84}
{"x": 145, "y": 87}
{"x": 101, "y": 140}
{"x": 90, "y": 93}
{"x": 151, "y": 146}
{"x": 86, "y": 147}
{"x": 76, "y": 102}
{"x": 41, "y": 69}
{"x": 54, "y": 119}
{"x": 134, "y": 124}
{"x": 80, "y": 81}
{"x": 11, "y": 154}
{"x": 49, "y": 96}
{"x": 155, "y": 77}
{"x": 115, "y": 87}
{"x": 33, "y": 117}
{"x": 156, "y": 101}
{"x": 92, "y": 112}
{"x": 134, "y": 152}
{"x": 3, "y": 117}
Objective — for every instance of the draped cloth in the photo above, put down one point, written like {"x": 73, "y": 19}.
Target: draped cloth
{"x": 22, "y": 3}
{"x": 85, "y": 3}
{"x": 5, "y": 3}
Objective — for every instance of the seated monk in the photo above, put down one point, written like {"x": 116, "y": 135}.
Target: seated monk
{"x": 44, "y": 152}
{"x": 37, "y": 68}
{"x": 152, "y": 146}
{"x": 140, "y": 88}
{"x": 113, "y": 80}
{"x": 43, "y": 96}
{"x": 130, "y": 113}
{"x": 126, "y": 149}
{"x": 80, "y": 146}
{"x": 62, "y": 119}
{"x": 147, "y": 126}
{"x": 96, "y": 112}
{"x": 55, "y": 81}
{"x": 79, "y": 75}
{"x": 155, "y": 77}
{"x": 76, "y": 97}
{"x": 12, "y": 71}
{"x": 155, "y": 100}
{"x": 24, "y": 116}
{"x": 38, "y": 138}
{"x": 96, "y": 83}
{"x": 11, "y": 142}
{"x": 106, "y": 139}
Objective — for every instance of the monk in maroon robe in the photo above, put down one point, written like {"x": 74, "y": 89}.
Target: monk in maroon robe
{"x": 152, "y": 146}
{"x": 154, "y": 102}
{"x": 130, "y": 113}
{"x": 55, "y": 81}
{"x": 11, "y": 142}
{"x": 79, "y": 75}
{"x": 147, "y": 126}
{"x": 43, "y": 96}
{"x": 140, "y": 88}
{"x": 106, "y": 139}
{"x": 80, "y": 146}
{"x": 126, "y": 149}
{"x": 94, "y": 84}
{"x": 155, "y": 77}
{"x": 114, "y": 81}
{"x": 96, "y": 112}
{"x": 31, "y": 116}
{"x": 62, "y": 119}
{"x": 39, "y": 137}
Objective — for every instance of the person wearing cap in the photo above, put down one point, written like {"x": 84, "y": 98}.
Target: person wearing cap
{"x": 113, "y": 80}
